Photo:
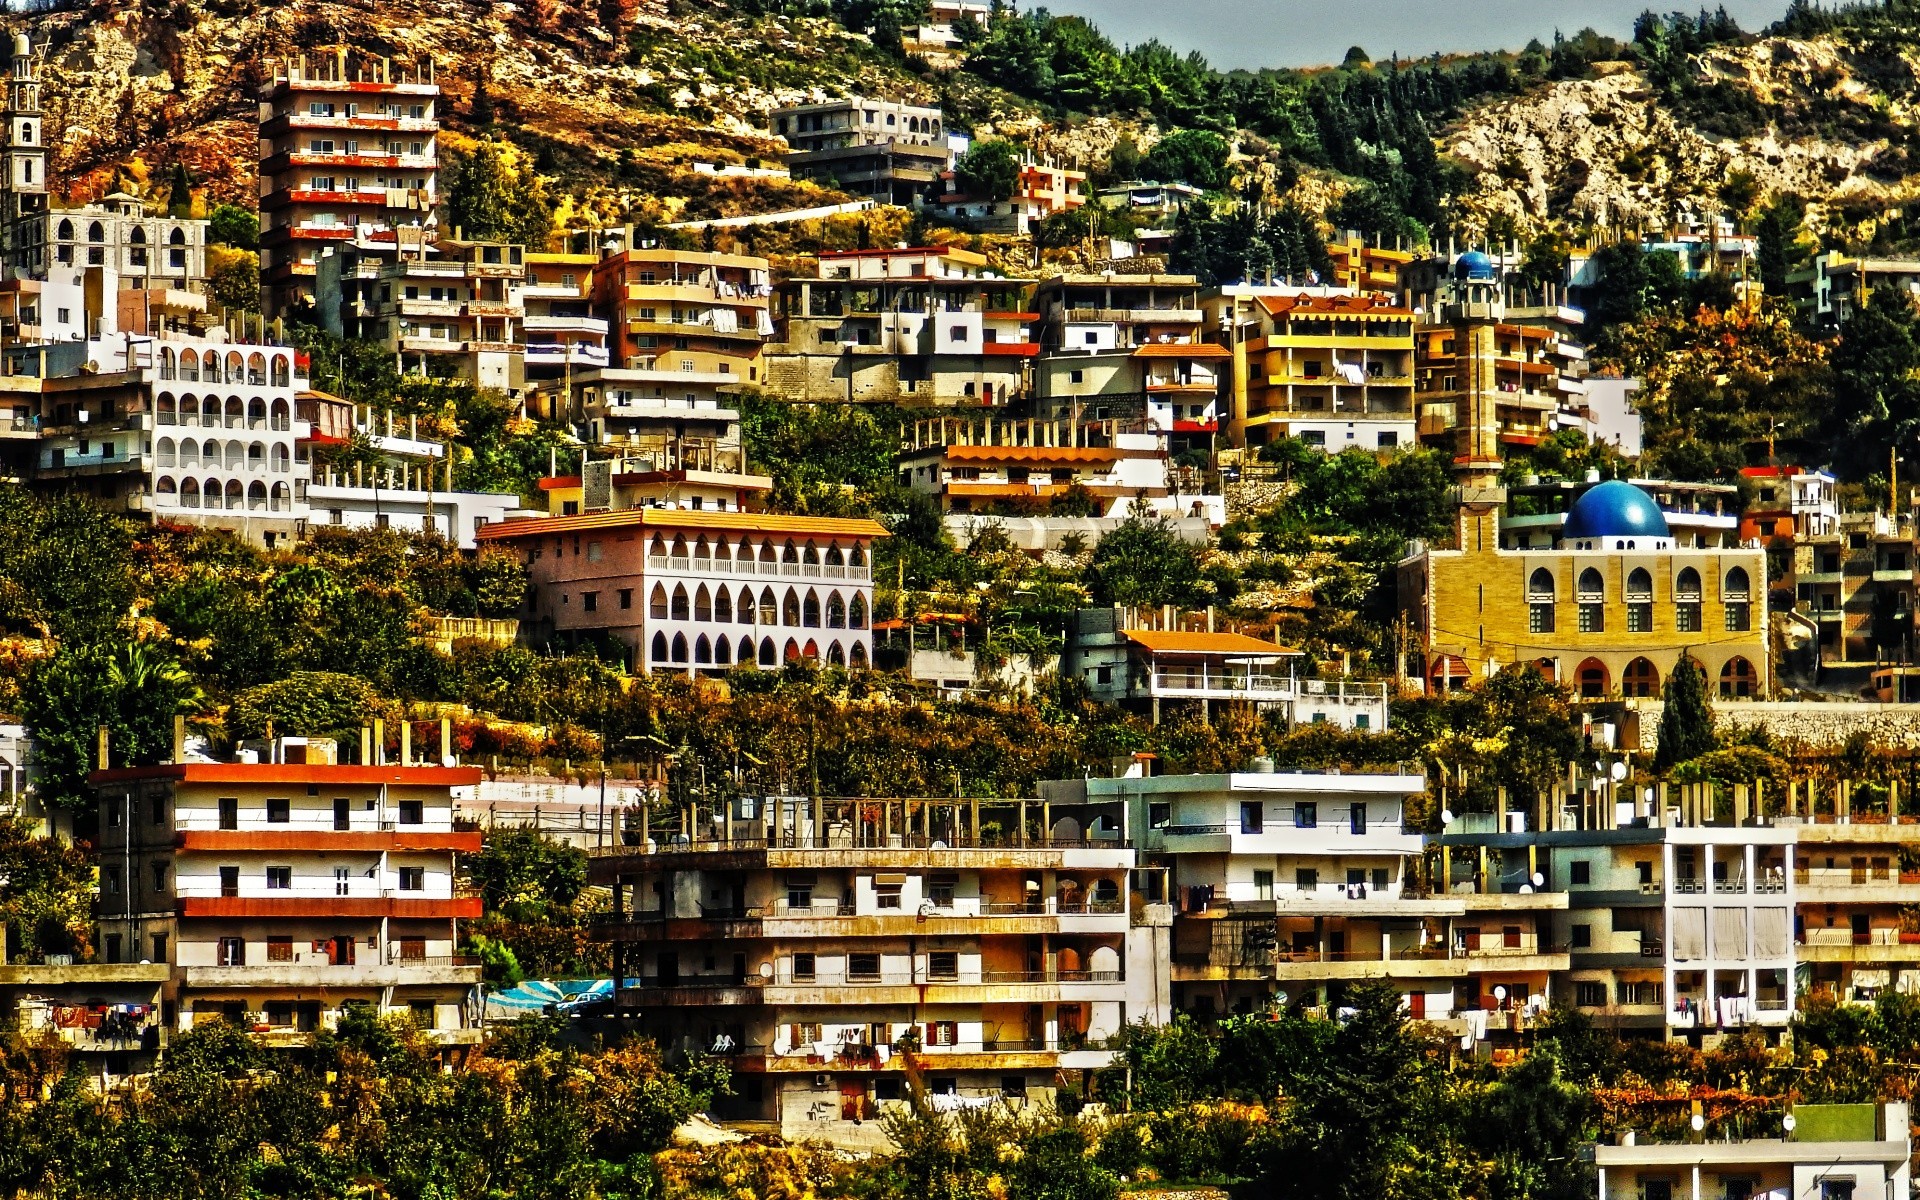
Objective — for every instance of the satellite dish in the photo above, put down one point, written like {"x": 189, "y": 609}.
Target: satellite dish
{"x": 1526, "y": 889}
{"x": 1446, "y": 816}
{"x": 938, "y": 845}
{"x": 1647, "y": 795}
{"x": 1619, "y": 771}
{"x": 1787, "y": 1122}
{"x": 1699, "y": 1122}
{"x": 1539, "y": 880}
{"x": 1500, "y": 991}
{"x": 766, "y": 970}
{"x": 1280, "y": 998}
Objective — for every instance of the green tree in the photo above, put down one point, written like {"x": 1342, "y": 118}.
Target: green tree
{"x": 1777, "y": 232}
{"x": 180, "y": 191}
{"x": 132, "y": 688}
{"x": 1686, "y": 723}
{"x": 231, "y": 225}
{"x": 489, "y": 200}
{"x": 233, "y": 278}
{"x": 989, "y": 170}
{"x": 1195, "y": 156}
{"x": 46, "y": 895}
{"x": 304, "y": 704}
{"x": 1144, "y": 562}
{"x": 525, "y": 875}
{"x": 1876, "y": 367}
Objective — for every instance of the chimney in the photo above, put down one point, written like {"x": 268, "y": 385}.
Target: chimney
{"x": 104, "y": 764}
{"x": 446, "y": 741}
{"x": 180, "y": 738}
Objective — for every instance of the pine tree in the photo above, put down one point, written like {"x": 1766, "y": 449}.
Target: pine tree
{"x": 1686, "y": 724}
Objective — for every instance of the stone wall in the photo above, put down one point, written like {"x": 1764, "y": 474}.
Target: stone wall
{"x": 1818, "y": 725}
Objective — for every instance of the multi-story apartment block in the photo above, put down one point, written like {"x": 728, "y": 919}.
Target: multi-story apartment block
{"x": 1675, "y": 926}
{"x": 1854, "y": 874}
{"x": 458, "y": 314}
{"x": 1040, "y": 190}
{"x": 694, "y": 311}
{"x": 1143, "y": 661}
{"x": 892, "y": 152}
{"x": 183, "y": 430}
{"x": 1834, "y": 285}
{"x": 827, "y": 944}
{"x": 348, "y": 159}
{"x": 563, "y": 333}
{"x": 1360, "y": 267}
{"x": 1116, "y": 343}
{"x": 1826, "y": 1152}
{"x": 280, "y": 891}
{"x": 921, "y": 325}
{"x": 696, "y": 590}
{"x": 1790, "y": 503}
{"x": 1299, "y": 885}
{"x": 109, "y": 1016}
{"x": 1855, "y": 584}
{"x": 1025, "y": 468}
{"x": 1331, "y": 370}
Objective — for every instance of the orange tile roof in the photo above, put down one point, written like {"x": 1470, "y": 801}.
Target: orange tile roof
{"x": 1344, "y": 306}
{"x": 1182, "y": 350}
{"x": 680, "y": 518}
{"x": 1179, "y": 641}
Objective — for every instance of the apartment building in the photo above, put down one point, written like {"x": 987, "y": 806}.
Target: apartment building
{"x": 825, "y": 945}
{"x": 1330, "y": 370}
{"x": 699, "y": 591}
{"x": 1834, "y": 285}
{"x": 110, "y": 1017}
{"x": 891, "y": 152}
{"x": 456, "y": 314}
{"x": 1105, "y": 335}
{"x": 1360, "y": 267}
{"x": 924, "y": 326}
{"x": 693, "y": 311}
{"x": 142, "y": 251}
{"x": 1854, "y": 583}
{"x": 1825, "y": 1152}
{"x": 1291, "y": 887}
{"x": 1676, "y": 924}
{"x": 563, "y": 333}
{"x": 182, "y": 430}
{"x": 1090, "y": 467}
{"x": 281, "y": 891}
{"x": 1148, "y": 660}
{"x": 349, "y": 159}
{"x": 1040, "y": 190}
{"x": 1790, "y": 502}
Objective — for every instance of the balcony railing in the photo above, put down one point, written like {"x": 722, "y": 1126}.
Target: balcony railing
{"x": 746, "y": 566}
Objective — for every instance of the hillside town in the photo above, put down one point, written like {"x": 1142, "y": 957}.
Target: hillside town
{"x": 945, "y": 663}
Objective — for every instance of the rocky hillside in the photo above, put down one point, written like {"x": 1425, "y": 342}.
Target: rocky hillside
{"x": 629, "y": 93}
{"x": 1828, "y": 120}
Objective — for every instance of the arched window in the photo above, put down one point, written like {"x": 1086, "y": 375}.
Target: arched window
{"x": 236, "y": 454}
{"x": 167, "y": 491}
{"x": 1736, "y": 596}
{"x": 722, "y": 652}
{"x": 702, "y": 600}
{"x": 835, "y": 655}
{"x": 810, "y": 611}
{"x": 1593, "y": 602}
{"x": 702, "y": 650}
{"x": 858, "y": 659}
{"x": 791, "y": 554}
{"x": 163, "y": 453}
{"x": 722, "y": 552}
{"x": 701, "y": 551}
{"x": 657, "y": 603}
{"x": 167, "y": 368}
{"x": 859, "y": 556}
{"x": 256, "y": 367}
{"x": 236, "y": 367}
{"x": 190, "y": 368}
{"x": 236, "y": 410}
{"x": 679, "y": 647}
{"x": 189, "y": 453}
{"x": 1540, "y": 601}
{"x": 210, "y": 367}
{"x": 767, "y": 554}
{"x": 282, "y": 498}
{"x": 1640, "y": 679}
{"x": 65, "y": 231}
{"x": 769, "y": 608}
{"x": 679, "y": 546}
{"x": 659, "y": 648}
{"x": 281, "y": 421}
{"x": 282, "y": 377}
{"x": 1639, "y": 596}
{"x": 236, "y": 495}
{"x": 745, "y": 657}
{"x": 680, "y": 607}
{"x": 281, "y": 459}
{"x": 768, "y": 655}
{"x": 256, "y": 456}
{"x": 1592, "y": 677}
{"x": 722, "y": 602}
{"x": 1686, "y": 601}
{"x": 836, "y": 612}
{"x": 811, "y": 555}
{"x": 1738, "y": 680}
{"x": 658, "y": 549}
{"x": 256, "y": 412}
{"x": 96, "y": 232}
{"x": 835, "y": 558}
{"x": 857, "y": 613}
{"x": 790, "y": 652}
{"x": 190, "y": 493}
{"x": 790, "y": 611}
{"x": 810, "y": 651}
{"x": 256, "y": 496}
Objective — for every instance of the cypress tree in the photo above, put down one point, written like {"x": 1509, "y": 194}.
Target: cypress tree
{"x": 1686, "y": 724}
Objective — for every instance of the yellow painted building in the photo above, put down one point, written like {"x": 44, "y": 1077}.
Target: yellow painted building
{"x": 1609, "y": 608}
{"x": 1334, "y": 371}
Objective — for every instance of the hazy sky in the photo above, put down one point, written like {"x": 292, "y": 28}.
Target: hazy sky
{"x": 1298, "y": 33}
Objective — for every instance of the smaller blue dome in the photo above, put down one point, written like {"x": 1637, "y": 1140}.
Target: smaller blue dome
{"x": 1473, "y": 266}
{"x": 1614, "y": 509}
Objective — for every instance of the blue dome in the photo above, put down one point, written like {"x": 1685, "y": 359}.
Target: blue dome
{"x": 1614, "y": 509}
{"x": 1473, "y": 266}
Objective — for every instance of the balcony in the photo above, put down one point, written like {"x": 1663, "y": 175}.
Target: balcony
{"x": 856, "y": 573}
{"x": 453, "y": 971}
